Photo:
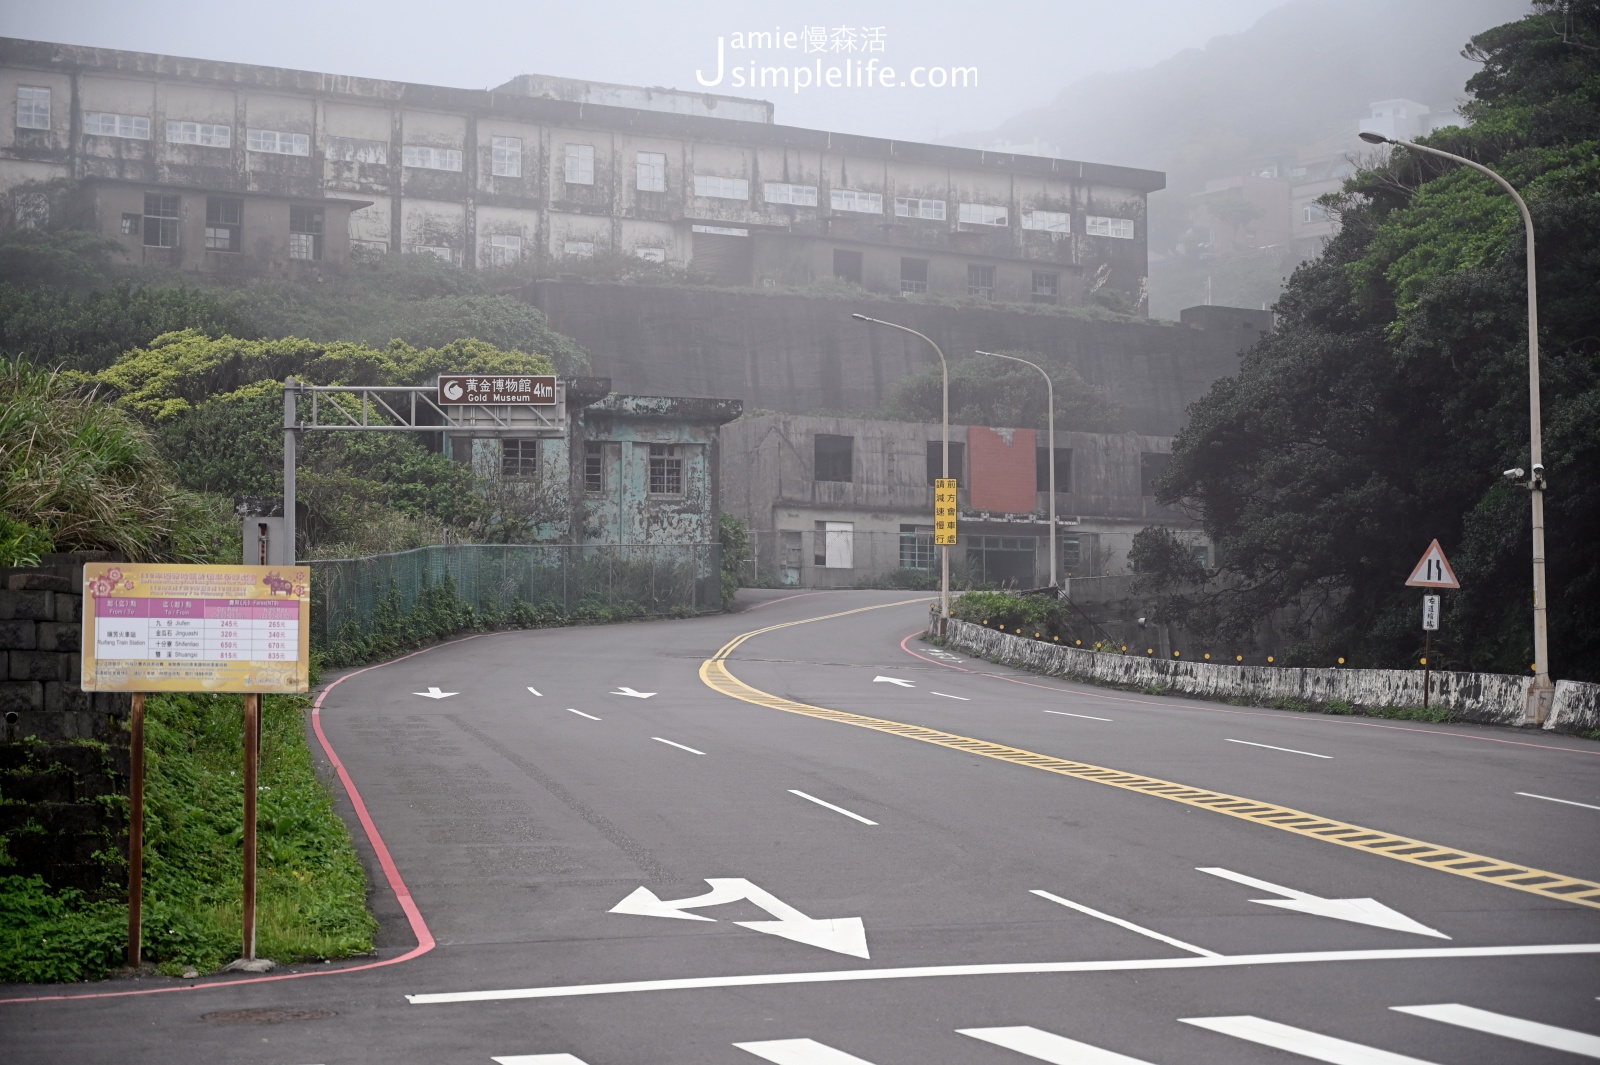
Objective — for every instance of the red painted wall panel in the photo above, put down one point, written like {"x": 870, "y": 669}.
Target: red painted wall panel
{"x": 1003, "y": 470}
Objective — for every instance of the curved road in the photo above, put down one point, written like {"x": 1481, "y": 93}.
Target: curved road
{"x": 883, "y": 895}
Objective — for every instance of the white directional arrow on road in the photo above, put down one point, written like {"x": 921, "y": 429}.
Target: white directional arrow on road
{"x": 846, "y": 935}
{"x": 624, "y": 690}
{"x": 893, "y": 680}
{"x": 1361, "y": 911}
{"x": 435, "y": 693}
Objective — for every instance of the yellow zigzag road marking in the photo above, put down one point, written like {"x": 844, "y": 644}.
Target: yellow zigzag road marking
{"x": 714, "y": 672}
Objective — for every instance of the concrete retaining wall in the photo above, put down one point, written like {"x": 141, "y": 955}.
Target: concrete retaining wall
{"x": 1487, "y": 698}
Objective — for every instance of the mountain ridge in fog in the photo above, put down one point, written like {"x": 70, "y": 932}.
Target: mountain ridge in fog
{"x": 1304, "y": 71}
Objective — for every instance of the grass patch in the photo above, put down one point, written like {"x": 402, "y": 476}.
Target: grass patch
{"x": 311, "y": 888}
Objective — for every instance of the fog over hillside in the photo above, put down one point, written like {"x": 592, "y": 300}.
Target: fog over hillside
{"x": 1302, "y": 76}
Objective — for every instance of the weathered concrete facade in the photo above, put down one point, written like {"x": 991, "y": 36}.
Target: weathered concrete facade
{"x": 491, "y": 177}
{"x": 802, "y": 354}
{"x": 877, "y": 493}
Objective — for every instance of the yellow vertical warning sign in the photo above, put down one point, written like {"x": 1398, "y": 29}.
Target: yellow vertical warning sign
{"x": 944, "y": 511}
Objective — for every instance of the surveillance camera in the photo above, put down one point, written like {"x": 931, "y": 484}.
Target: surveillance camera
{"x": 1538, "y": 469}
{"x": 1141, "y": 622}
{"x": 1514, "y": 474}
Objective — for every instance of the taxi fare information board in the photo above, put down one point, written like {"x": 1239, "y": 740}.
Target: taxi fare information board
{"x": 176, "y": 628}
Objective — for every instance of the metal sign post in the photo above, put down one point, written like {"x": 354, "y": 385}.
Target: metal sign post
{"x": 1430, "y": 625}
{"x": 135, "y": 830}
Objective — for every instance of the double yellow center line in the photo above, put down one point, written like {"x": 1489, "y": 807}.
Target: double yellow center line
{"x": 714, "y": 672}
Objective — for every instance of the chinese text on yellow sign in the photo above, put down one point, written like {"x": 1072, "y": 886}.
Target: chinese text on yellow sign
{"x": 944, "y": 511}
{"x": 153, "y": 627}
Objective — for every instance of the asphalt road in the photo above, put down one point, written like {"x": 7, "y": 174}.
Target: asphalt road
{"x": 885, "y": 897}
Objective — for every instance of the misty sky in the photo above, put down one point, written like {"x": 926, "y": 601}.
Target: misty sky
{"x": 1025, "y": 50}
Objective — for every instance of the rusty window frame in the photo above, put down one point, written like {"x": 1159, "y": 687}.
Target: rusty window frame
{"x": 666, "y": 470}
{"x": 519, "y": 457}
{"x": 594, "y": 467}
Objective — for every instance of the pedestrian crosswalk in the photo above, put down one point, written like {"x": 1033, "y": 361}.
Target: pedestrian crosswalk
{"x": 1057, "y": 1049}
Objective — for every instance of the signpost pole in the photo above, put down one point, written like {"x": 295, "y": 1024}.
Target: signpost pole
{"x": 135, "y": 829}
{"x": 252, "y": 757}
{"x": 1427, "y": 667}
{"x": 290, "y": 419}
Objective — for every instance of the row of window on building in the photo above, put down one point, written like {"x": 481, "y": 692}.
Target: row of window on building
{"x": 833, "y": 459}
{"x": 997, "y": 559}
{"x": 519, "y": 459}
{"x": 33, "y": 112}
{"x": 1045, "y": 284}
{"x": 158, "y": 226}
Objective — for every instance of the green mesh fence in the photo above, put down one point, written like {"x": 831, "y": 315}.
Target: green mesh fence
{"x": 652, "y": 578}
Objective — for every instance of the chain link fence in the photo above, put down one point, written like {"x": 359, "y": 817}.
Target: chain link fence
{"x": 492, "y": 578}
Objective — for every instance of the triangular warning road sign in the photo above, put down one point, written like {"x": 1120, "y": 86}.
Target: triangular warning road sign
{"x": 1433, "y": 571}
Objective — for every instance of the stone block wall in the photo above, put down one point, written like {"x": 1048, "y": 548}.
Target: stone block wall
{"x": 63, "y": 751}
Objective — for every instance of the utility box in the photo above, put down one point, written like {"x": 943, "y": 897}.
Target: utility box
{"x": 261, "y": 522}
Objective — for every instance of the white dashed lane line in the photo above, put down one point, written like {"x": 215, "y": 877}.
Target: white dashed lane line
{"x": 580, "y": 713}
{"x": 829, "y": 805}
{"x": 1286, "y": 750}
{"x": 680, "y": 746}
{"x": 1550, "y": 798}
{"x": 1086, "y": 717}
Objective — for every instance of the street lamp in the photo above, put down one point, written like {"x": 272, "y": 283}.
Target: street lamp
{"x": 944, "y": 549}
{"x": 1543, "y": 691}
{"x": 1050, "y": 398}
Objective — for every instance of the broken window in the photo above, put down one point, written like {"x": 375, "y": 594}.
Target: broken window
{"x": 578, "y": 249}
{"x": 1046, "y": 286}
{"x": 519, "y": 457}
{"x": 958, "y": 455}
{"x": 506, "y": 156}
{"x": 913, "y": 275}
{"x": 160, "y": 221}
{"x": 305, "y": 232}
{"x": 833, "y": 544}
{"x": 594, "y": 467}
{"x": 652, "y": 172}
{"x": 1063, "y": 470}
{"x": 1097, "y": 226}
{"x": 580, "y": 164}
{"x": 833, "y": 457}
{"x": 33, "y": 107}
{"x": 847, "y": 266}
{"x": 224, "y": 223}
{"x": 911, "y": 207}
{"x": 1047, "y": 221}
{"x": 852, "y": 200}
{"x": 504, "y": 249}
{"x": 276, "y": 142}
{"x": 666, "y": 470}
{"x": 651, "y": 255}
{"x": 1153, "y": 466}
{"x": 795, "y": 195}
{"x": 202, "y": 133}
{"x": 984, "y": 214}
{"x": 425, "y": 158}
{"x": 102, "y": 124}
{"x": 980, "y": 281}
{"x": 721, "y": 188}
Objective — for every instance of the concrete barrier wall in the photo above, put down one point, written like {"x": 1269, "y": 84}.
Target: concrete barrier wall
{"x": 1487, "y": 698}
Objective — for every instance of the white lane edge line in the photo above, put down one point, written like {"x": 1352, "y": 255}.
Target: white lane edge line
{"x": 538, "y": 1059}
{"x": 1288, "y": 750}
{"x": 829, "y": 805}
{"x": 963, "y": 698}
{"x": 537, "y": 692}
{"x": 1507, "y": 1027}
{"x": 1003, "y": 969}
{"x": 580, "y": 713}
{"x": 1309, "y": 1044}
{"x": 680, "y": 746}
{"x": 1129, "y": 925}
{"x": 1048, "y": 1047}
{"x": 799, "y": 1052}
{"x": 1551, "y": 798}
{"x": 1086, "y": 717}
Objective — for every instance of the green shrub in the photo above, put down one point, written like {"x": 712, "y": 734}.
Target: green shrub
{"x": 1030, "y": 614}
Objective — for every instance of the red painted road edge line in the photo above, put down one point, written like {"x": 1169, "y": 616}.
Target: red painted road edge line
{"x": 391, "y": 872}
{"x": 1096, "y": 694}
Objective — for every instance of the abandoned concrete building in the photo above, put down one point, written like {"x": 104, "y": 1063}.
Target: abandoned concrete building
{"x": 215, "y": 167}
{"x": 833, "y": 502}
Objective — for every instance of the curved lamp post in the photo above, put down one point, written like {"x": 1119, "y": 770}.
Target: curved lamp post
{"x": 1050, "y": 398}
{"x": 1542, "y": 692}
{"x": 944, "y": 549}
